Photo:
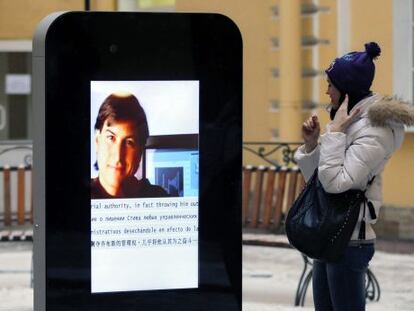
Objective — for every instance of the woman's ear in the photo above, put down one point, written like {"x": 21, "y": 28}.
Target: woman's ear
{"x": 97, "y": 132}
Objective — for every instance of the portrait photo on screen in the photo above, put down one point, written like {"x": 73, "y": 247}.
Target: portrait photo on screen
{"x": 144, "y": 185}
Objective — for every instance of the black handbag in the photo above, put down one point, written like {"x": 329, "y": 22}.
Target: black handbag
{"x": 320, "y": 224}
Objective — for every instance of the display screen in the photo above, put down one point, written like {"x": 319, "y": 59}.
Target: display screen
{"x": 144, "y": 185}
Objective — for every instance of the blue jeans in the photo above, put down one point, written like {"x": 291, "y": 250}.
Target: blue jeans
{"x": 340, "y": 286}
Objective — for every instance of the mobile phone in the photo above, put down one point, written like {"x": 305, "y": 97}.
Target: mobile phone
{"x": 332, "y": 111}
{"x": 342, "y": 98}
{"x": 137, "y": 195}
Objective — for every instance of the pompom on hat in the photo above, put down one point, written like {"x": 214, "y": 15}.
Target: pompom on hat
{"x": 354, "y": 72}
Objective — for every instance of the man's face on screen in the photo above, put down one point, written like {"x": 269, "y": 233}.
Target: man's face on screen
{"x": 118, "y": 154}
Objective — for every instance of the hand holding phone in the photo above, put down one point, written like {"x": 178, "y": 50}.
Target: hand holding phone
{"x": 342, "y": 119}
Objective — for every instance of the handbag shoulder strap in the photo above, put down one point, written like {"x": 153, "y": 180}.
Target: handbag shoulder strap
{"x": 373, "y": 214}
{"x": 372, "y": 180}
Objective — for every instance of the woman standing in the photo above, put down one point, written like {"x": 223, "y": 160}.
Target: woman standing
{"x": 365, "y": 130}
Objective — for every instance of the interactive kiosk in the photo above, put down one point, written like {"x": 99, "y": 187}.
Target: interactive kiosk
{"x": 137, "y": 162}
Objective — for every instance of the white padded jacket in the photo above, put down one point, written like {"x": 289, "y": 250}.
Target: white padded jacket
{"x": 349, "y": 160}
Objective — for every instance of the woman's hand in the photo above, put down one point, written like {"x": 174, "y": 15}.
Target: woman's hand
{"x": 310, "y": 132}
{"x": 342, "y": 120}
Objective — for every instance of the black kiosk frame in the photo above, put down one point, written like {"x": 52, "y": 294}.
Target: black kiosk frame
{"x": 72, "y": 49}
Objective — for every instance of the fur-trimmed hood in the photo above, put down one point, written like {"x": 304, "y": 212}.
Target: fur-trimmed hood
{"x": 390, "y": 111}
{"x": 385, "y": 112}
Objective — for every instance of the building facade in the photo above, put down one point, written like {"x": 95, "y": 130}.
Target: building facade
{"x": 287, "y": 46}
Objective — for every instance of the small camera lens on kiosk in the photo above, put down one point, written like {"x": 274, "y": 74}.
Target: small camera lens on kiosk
{"x": 113, "y": 48}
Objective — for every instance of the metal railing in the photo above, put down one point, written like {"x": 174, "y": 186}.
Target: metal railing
{"x": 270, "y": 151}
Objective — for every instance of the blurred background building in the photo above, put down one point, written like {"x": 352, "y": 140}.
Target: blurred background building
{"x": 287, "y": 46}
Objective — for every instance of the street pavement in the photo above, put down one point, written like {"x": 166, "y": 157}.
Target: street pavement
{"x": 270, "y": 276}
{"x": 15, "y": 265}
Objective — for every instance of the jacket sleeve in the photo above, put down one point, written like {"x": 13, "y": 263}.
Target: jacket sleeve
{"x": 341, "y": 168}
{"x": 307, "y": 162}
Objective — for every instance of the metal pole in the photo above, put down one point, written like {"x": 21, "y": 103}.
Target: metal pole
{"x": 87, "y": 5}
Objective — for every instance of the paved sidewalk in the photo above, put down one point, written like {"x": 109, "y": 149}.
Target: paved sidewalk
{"x": 15, "y": 265}
{"x": 270, "y": 277}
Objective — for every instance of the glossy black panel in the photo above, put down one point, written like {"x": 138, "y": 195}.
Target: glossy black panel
{"x": 200, "y": 47}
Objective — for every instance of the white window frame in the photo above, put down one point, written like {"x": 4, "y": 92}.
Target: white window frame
{"x": 7, "y": 46}
{"x": 133, "y": 5}
{"x": 315, "y": 59}
{"x": 403, "y": 54}
{"x": 343, "y": 26}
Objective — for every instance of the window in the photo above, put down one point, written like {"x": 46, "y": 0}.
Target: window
{"x": 274, "y": 105}
{"x": 15, "y": 102}
{"x": 275, "y": 134}
{"x": 15, "y": 95}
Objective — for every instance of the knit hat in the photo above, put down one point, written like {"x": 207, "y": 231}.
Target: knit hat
{"x": 354, "y": 72}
